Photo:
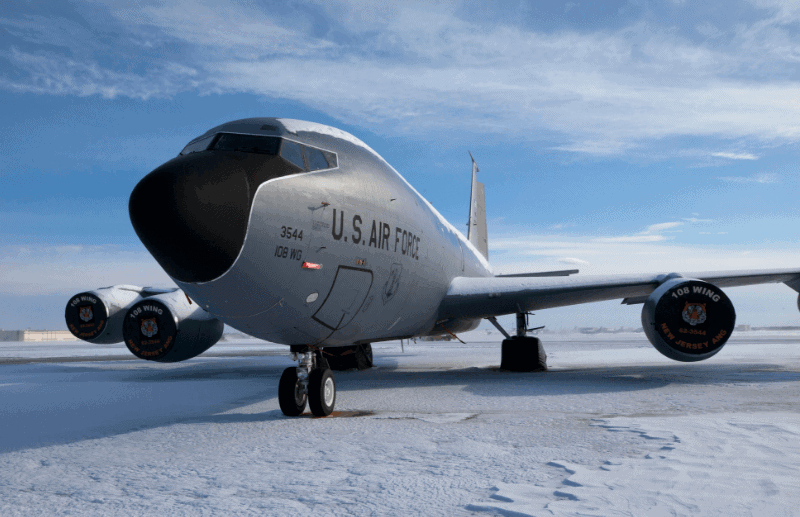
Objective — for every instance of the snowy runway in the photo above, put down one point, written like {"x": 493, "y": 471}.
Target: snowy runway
{"x": 613, "y": 429}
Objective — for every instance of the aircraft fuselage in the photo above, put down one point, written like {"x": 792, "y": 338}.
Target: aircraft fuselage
{"x": 347, "y": 254}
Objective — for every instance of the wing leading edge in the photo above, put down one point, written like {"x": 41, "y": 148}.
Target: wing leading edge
{"x": 486, "y": 297}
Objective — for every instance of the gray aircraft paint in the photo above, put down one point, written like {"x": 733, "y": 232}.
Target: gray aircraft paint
{"x": 387, "y": 257}
{"x": 391, "y": 265}
{"x": 477, "y": 233}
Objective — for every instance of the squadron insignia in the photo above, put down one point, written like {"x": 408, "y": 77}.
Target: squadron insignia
{"x": 86, "y": 313}
{"x": 694, "y": 313}
{"x": 393, "y": 283}
{"x": 149, "y": 327}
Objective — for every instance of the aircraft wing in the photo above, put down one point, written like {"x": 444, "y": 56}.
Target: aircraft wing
{"x": 485, "y": 297}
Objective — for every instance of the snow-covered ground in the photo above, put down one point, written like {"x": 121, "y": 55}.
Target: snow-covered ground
{"x": 613, "y": 428}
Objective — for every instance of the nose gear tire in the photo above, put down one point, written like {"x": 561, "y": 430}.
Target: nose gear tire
{"x": 321, "y": 392}
{"x": 290, "y": 398}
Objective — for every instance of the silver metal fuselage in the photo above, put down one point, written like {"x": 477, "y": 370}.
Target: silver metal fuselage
{"x": 386, "y": 256}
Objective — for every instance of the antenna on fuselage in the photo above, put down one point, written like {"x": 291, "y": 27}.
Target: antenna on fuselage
{"x": 476, "y": 233}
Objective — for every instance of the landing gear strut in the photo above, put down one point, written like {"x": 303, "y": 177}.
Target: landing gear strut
{"x": 521, "y": 353}
{"x": 311, "y": 381}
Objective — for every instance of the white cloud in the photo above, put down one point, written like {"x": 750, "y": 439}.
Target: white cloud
{"x": 735, "y": 156}
{"x": 68, "y": 269}
{"x": 595, "y": 147}
{"x": 766, "y": 177}
{"x": 585, "y": 88}
{"x": 575, "y": 261}
{"x": 651, "y": 234}
{"x": 536, "y": 252}
{"x": 695, "y": 220}
{"x": 660, "y": 227}
{"x": 54, "y": 75}
{"x": 631, "y": 238}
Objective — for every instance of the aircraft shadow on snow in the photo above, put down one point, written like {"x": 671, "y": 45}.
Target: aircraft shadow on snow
{"x": 245, "y": 384}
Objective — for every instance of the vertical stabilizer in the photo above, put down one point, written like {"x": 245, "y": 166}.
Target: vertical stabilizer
{"x": 477, "y": 214}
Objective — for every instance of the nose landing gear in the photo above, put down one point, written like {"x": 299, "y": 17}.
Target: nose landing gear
{"x": 311, "y": 381}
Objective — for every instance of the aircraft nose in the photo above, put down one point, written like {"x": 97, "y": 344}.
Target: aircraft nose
{"x": 191, "y": 214}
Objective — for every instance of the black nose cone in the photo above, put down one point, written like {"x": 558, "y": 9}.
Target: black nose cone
{"x": 192, "y": 213}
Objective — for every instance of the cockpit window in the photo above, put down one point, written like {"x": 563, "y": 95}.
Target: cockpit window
{"x": 198, "y": 145}
{"x": 315, "y": 159}
{"x": 291, "y": 152}
{"x": 247, "y": 143}
{"x": 331, "y": 159}
{"x": 305, "y": 157}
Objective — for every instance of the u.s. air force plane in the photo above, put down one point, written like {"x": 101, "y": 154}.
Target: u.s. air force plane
{"x": 300, "y": 234}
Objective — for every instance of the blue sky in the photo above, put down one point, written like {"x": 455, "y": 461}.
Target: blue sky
{"x": 612, "y": 137}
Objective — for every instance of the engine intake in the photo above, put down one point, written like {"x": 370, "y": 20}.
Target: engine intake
{"x": 96, "y": 316}
{"x": 688, "y": 320}
{"x": 169, "y": 328}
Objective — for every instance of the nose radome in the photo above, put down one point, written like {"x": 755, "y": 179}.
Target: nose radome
{"x": 192, "y": 212}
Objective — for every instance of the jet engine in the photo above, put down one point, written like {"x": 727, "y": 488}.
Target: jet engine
{"x": 169, "y": 328}
{"x": 96, "y": 316}
{"x": 688, "y": 320}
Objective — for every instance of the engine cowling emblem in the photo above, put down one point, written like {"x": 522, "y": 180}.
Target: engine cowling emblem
{"x": 149, "y": 327}
{"x": 688, "y": 320}
{"x": 694, "y": 313}
{"x": 86, "y": 314}
{"x": 168, "y": 327}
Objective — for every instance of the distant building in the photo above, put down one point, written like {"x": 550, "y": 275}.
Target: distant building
{"x": 36, "y": 335}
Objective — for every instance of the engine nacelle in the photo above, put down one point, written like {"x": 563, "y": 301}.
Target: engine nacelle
{"x": 688, "y": 320}
{"x": 168, "y": 328}
{"x": 96, "y": 316}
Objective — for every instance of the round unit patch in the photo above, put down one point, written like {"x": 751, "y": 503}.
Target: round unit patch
{"x": 149, "y": 330}
{"x": 86, "y": 316}
{"x": 694, "y": 317}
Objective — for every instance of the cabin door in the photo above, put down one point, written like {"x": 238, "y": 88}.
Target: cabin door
{"x": 348, "y": 292}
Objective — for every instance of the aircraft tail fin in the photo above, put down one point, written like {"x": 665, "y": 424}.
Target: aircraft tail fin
{"x": 477, "y": 234}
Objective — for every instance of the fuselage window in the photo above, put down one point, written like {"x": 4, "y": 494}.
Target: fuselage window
{"x": 247, "y": 143}
{"x": 199, "y": 145}
{"x": 291, "y": 152}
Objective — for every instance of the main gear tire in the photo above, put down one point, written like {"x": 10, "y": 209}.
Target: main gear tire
{"x": 321, "y": 392}
{"x": 290, "y": 393}
{"x": 523, "y": 354}
{"x": 366, "y": 356}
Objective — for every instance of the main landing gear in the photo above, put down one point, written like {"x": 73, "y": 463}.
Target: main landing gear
{"x": 350, "y": 357}
{"x": 521, "y": 353}
{"x": 311, "y": 381}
